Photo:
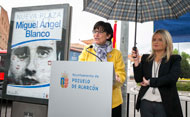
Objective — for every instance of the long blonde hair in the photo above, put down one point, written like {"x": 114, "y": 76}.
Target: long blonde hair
{"x": 167, "y": 40}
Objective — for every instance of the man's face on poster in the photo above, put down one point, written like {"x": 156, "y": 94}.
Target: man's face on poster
{"x": 31, "y": 63}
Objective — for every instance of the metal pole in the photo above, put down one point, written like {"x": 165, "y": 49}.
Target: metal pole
{"x": 134, "y": 105}
{"x": 186, "y": 110}
{"x": 1, "y": 105}
{"x": 128, "y": 98}
{"x": 124, "y": 50}
{"x": 136, "y": 24}
{"x": 6, "y": 106}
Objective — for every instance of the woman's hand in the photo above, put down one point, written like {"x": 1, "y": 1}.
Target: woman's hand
{"x": 117, "y": 81}
{"x": 135, "y": 56}
{"x": 145, "y": 82}
{"x": 117, "y": 78}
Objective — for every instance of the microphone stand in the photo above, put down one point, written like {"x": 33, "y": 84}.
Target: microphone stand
{"x": 91, "y": 46}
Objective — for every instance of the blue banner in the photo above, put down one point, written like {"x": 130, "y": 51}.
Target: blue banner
{"x": 179, "y": 28}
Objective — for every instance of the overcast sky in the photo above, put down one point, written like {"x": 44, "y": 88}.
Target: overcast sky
{"x": 83, "y": 22}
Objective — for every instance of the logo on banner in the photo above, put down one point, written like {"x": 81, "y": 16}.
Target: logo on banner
{"x": 64, "y": 81}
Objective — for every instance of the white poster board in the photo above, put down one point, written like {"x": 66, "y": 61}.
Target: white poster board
{"x": 80, "y": 89}
{"x": 38, "y": 36}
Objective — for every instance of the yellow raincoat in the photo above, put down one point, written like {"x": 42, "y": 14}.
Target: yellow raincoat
{"x": 119, "y": 66}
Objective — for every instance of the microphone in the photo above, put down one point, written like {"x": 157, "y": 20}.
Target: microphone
{"x": 91, "y": 46}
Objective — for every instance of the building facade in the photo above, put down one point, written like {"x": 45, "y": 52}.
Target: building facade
{"x": 4, "y": 29}
{"x": 75, "y": 50}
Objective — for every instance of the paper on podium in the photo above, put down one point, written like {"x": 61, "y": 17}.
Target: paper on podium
{"x": 114, "y": 78}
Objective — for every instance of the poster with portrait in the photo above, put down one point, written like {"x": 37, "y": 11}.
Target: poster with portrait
{"x": 38, "y": 36}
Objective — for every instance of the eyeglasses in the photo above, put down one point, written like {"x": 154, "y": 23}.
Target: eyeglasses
{"x": 99, "y": 32}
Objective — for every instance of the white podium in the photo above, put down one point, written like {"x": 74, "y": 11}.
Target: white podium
{"x": 80, "y": 89}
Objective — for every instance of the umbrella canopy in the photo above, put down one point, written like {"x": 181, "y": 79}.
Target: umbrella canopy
{"x": 148, "y": 10}
{"x": 137, "y": 10}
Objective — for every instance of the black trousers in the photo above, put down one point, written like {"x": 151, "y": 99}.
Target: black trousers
{"x": 152, "y": 109}
{"x": 116, "y": 112}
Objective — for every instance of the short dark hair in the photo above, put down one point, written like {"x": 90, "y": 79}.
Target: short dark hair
{"x": 106, "y": 27}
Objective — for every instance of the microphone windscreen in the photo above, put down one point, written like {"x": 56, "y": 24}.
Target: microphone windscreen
{"x": 91, "y": 46}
